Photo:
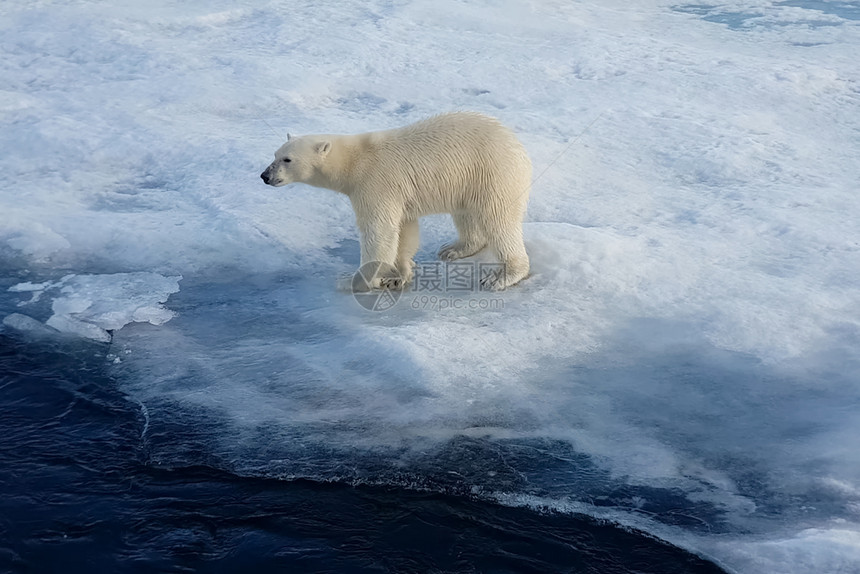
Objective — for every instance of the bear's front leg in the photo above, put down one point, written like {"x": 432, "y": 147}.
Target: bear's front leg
{"x": 379, "y": 249}
{"x": 406, "y": 249}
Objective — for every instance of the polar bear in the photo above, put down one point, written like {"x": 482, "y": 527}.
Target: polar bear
{"x": 463, "y": 163}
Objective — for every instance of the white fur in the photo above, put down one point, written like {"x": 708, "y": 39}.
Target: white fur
{"x": 465, "y": 164}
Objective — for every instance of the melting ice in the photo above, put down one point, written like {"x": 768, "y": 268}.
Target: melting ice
{"x": 91, "y": 305}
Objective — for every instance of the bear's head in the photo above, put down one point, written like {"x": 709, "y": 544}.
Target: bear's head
{"x": 297, "y": 161}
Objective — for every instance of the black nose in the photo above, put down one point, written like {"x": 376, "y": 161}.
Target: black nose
{"x": 265, "y": 177}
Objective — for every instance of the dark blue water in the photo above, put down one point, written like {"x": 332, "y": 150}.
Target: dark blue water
{"x": 80, "y": 494}
{"x": 740, "y": 20}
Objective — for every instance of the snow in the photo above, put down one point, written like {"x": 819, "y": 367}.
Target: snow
{"x": 683, "y": 357}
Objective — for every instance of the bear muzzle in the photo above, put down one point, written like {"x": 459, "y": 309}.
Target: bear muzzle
{"x": 271, "y": 177}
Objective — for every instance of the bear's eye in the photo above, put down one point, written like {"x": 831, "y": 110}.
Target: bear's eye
{"x": 287, "y": 160}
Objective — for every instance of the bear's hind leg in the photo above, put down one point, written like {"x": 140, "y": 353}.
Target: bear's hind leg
{"x": 509, "y": 246}
{"x": 471, "y": 238}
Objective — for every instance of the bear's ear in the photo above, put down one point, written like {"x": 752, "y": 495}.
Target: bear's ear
{"x": 323, "y": 148}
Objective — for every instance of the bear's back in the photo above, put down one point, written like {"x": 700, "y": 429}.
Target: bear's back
{"x": 455, "y": 151}
{"x": 456, "y": 131}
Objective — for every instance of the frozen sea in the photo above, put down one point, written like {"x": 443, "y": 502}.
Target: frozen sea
{"x": 675, "y": 388}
